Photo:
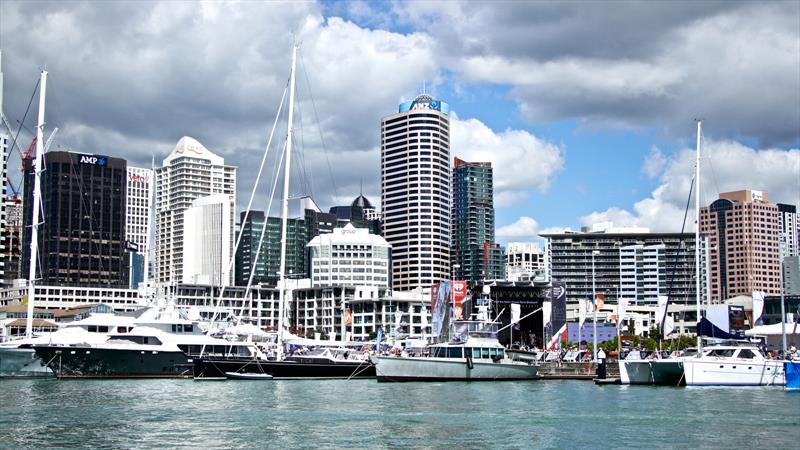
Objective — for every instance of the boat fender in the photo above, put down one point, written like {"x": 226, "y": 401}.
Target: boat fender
{"x": 496, "y": 358}
{"x": 469, "y": 363}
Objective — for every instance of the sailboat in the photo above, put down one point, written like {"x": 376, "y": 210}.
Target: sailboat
{"x": 724, "y": 365}
{"x": 325, "y": 363}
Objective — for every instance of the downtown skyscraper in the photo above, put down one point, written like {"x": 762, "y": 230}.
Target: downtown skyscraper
{"x": 190, "y": 172}
{"x": 476, "y": 256}
{"x": 415, "y": 192}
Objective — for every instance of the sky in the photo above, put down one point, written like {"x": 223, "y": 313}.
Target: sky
{"x": 586, "y": 109}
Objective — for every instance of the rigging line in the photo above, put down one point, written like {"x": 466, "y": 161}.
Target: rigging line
{"x": 250, "y": 201}
{"x": 254, "y": 264}
{"x": 21, "y": 124}
{"x": 308, "y": 175}
{"x": 672, "y": 277}
{"x": 710, "y": 163}
{"x": 319, "y": 126}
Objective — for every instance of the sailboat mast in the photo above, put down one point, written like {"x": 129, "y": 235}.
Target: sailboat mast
{"x": 697, "y": 233}
{"x": 37, "y": 192}
{"x": 285, "y": 213}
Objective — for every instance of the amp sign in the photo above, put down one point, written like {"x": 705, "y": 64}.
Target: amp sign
{"x": 93, "y": 160}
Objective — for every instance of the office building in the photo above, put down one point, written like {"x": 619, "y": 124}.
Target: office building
{"x": 266, "y": 266}
{"x": 633, "y": 263}
{"x": 476, "y": 256}
{"x": 415, "y": 192}
{"x": 207, "y": 233}
{"x": 791, "y": 275}
{"x": 744, "y": 254}
{"x": 191, "y": 171}
{"x": 84, "y": 216}
{"x": 360, "y": 213}
{"x": 349, "y": 257}
{"x": 137, "y": 228}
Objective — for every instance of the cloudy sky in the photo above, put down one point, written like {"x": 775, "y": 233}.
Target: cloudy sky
{"x": 586, "y": 109}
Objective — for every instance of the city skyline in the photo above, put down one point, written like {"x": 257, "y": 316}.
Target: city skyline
{"x": 593, "y": 129}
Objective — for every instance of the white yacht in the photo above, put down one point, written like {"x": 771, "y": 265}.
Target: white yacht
{"x": 18, "y": 358}
{"x": 478, "y": 357}
{"x": 725, "y": 365}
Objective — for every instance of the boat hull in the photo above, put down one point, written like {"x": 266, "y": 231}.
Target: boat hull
{"x": 710, "y": 372}
{"x": 667, "y": 372}
{"x": 23, "y": 363}
{"x": 88, "y": 362}
{"x": 792, "y": 371}
{"x": 390, "y": 368}
{"x": 635, "y": 372}
{"x": 211, "y": 368}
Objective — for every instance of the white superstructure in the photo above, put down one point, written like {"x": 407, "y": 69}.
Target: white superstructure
{"x": 191, "y": 171}
{"x": 207, "y": 234}
{"x": 349, "y": 256}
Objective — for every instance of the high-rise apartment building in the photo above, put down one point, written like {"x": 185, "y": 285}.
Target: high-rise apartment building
{"x": 207, "y": 233}
{"x": 788, "y": 230}
{"x": 12, "y": 235}
{"x": 744, "y": 254}
{"x": 5, "y": 263}
{"x": 191, "y": 171}
{"x": 415, "y": 192}
{"x": 137, "y": 227}
{"x": 82, "y": 235}
{"x": 633, "y": 264}
{"x": 475, "y": 255}
{"x": 523, "y": 258}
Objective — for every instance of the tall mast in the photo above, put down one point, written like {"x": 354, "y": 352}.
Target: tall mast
{"x": 697, "y": 233}
{"x": 285, "y": 213}
{"x": 37, "y": 193}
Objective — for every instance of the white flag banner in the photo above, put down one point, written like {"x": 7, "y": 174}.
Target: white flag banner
{"x": 758, "y": 306}
{"x": 669, "y": 326}
{"x": 662, "y": 310}
{"x": 515, "y": 312}
{"x": 582, "y": 307}
{"x": 398, "y": 316}
{"x": 546, "y": 309}
{"x": 424, "y": 318}
{"x": 622, "y": 307}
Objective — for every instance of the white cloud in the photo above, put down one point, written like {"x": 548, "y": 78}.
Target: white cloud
{"x": 654, "y": 163}
{"x": 524, "y": 227}
{"x": 726, "y": 166}
{"x": 520, "y": 160}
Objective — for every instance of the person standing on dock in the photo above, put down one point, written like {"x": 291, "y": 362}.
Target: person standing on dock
{"x": 601, "y": 363}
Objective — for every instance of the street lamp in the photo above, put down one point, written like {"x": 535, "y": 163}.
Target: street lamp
{"x": 594, "y": 302}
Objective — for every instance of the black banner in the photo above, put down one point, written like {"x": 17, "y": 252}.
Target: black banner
{"x": 558, "y": 298}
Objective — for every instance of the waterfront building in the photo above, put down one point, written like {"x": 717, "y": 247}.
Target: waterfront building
{"x": 269, "y": 257}
{"x": 137, "y": 226}
{"x": 789, "y": 227}
{"x": 350, "y": 257}
{"x": 524, "y": 259}
{"x": 744, "y": 254}
{"x": 415, "y": 192}
{"x": 667, "y": 264}
{"x": 82, "y": 232}
{"x": 475, "y": 255}
{"x": 6, "y": 265}
{"x": 191, "y": 171}
{"x": 207, "y": 235}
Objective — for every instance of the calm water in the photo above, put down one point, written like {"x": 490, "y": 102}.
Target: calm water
{"x": 364, "y": 413}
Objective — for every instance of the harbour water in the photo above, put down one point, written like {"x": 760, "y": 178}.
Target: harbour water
{"x": 364, "y": 413}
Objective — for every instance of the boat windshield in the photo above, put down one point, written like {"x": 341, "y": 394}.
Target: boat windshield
{"x": 464, "y": 329}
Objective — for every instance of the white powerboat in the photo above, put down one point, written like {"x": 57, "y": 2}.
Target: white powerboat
{"x": 635, "y": 369}
{"x": 725, "y": 365}
{"x": 480, "y": 357}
